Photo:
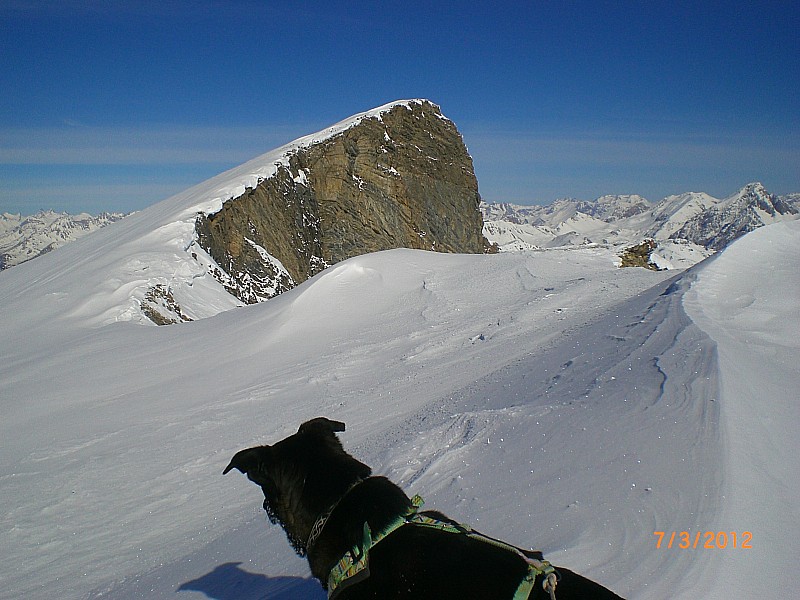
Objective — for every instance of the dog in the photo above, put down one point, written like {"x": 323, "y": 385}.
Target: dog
{"x": 364, "y": 538}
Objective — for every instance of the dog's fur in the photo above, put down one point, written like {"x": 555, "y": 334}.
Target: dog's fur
{"x": 308, "y": 473}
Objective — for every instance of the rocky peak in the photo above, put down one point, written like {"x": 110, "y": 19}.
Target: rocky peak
{"x": 398, "y": 178}
{"x": 750, "y": 208}
{"x": 755, "y": 195}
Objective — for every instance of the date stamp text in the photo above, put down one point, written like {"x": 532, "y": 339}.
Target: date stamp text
{"x": 704, "y": 539}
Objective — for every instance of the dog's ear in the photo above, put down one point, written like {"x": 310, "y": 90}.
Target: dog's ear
{"x": 248, "y": 461}
{"x": 321, "y": 425}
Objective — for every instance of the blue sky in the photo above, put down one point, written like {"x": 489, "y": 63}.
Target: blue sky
{"x": 114, "y": 105}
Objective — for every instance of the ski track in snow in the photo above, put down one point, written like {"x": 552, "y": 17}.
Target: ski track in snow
{"x": 546, "y": 398}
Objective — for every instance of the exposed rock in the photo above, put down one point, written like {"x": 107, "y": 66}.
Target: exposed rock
{"x": 160, "y": 306}
{"x": 400, "y": 179}
{"x": 639, "y": 256}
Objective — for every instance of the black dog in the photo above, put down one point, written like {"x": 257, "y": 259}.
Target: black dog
{"x": 364, "y": 538}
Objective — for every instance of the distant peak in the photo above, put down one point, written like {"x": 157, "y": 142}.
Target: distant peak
{"x": 754, "y": 192}
{"x": 755, "y": 186}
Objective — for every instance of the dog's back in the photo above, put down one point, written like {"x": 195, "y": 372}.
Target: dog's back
{"x": 330, "y": 507}
{"x": 441, "y": 563}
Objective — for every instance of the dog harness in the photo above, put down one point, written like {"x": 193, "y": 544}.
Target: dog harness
{"x": 353, "y": 567}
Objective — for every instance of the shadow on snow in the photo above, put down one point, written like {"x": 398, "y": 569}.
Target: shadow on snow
{"x": 231, "y": 582}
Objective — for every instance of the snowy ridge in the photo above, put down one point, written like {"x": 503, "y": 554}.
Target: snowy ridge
{"x": 728, "y": 219}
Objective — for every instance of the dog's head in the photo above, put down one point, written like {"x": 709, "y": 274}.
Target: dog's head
{"x": 301, "y": 476}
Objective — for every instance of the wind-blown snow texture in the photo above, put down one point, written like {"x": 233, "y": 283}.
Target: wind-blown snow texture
{"x": 548, "y": 398}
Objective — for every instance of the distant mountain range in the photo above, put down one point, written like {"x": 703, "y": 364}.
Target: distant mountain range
{"x": 685, "y": 228}
{"x": 23, "y": 238}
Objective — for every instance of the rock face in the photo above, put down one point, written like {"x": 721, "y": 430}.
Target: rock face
{"x": 402, "y": 178}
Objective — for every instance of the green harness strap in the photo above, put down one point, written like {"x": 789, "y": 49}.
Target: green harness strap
{"x": 354, "y": 565}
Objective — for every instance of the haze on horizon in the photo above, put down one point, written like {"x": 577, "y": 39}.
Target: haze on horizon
{"x": 112, "y": 106}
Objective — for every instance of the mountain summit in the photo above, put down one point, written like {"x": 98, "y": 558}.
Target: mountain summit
{"x": 398, "y": 177}
{"x": 752, "y": 207}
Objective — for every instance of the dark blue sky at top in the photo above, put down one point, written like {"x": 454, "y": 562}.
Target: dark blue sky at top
{"x": 116, "y": 105}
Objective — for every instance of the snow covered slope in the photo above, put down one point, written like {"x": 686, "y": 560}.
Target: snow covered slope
{"x": 748, "y": 301}
{"x": 548, "y": 398}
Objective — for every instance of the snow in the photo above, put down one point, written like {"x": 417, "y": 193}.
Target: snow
{"x": 24, "y": 238}
{"x": 748, "y": 304}
{"x": 673, "y": 212}
{"x": 678, "y": 254}
{"x": 513, "y": 237}
{"x": 548, "y": 398}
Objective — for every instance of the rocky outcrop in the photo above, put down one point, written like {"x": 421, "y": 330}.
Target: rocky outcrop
{"x": 400, "y": 178}
{"x": 639, "y": 256}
